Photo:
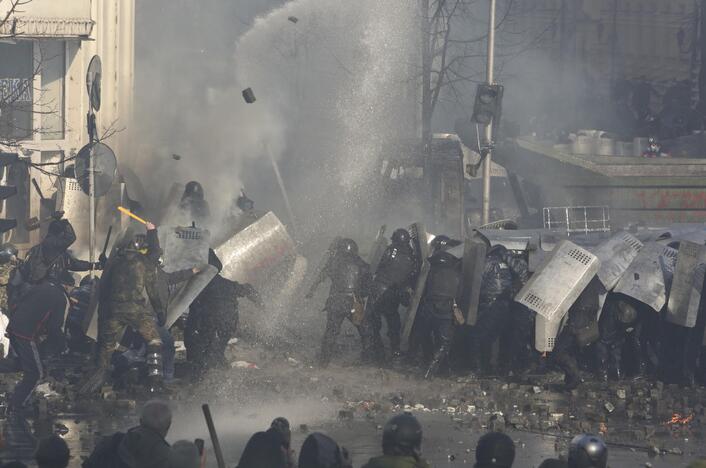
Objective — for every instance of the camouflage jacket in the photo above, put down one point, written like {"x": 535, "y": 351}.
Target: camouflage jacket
{"x": 5, "y": 270}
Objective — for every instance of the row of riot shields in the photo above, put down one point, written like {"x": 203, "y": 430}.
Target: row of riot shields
{"x": 263, "y": 254}
{"x": 652, "y": 273}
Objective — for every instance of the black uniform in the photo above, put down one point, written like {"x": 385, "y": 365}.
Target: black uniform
{"x": 193, "y": 204}
{"x": 213, "y": 320}
{"x": 396, "y": 272}
{"x": 350, "y": 283}
{"x": 436, "y": 310}
{"x": 501, "y": 273}
{"x": 581, "y": 330}
{"x": 79, "y": 303}
{"x": 621, "y": 325}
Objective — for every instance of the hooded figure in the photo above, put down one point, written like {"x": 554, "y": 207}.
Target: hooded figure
{"x": 495, "y": 450}
{"x": 321, "y": 451}
{"x": 52, "y": 452}
{"x": 264, "y": 450}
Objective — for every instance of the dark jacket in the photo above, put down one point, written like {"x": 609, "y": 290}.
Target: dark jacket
{"x": 398, "y": 267}
{"x": 502, "y": 274}
{"x": 349, "y": 274}
{"x": 387, "y": 461}
{"x": 144, "y": 448}
{"x": 41, "y": 312}
{"x": 265, "y": 450}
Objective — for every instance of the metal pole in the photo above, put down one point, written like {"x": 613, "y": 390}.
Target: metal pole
{"x": 280, "y": 182}
{"x": 489, "y": 128}
{"x": 92, "y": 214}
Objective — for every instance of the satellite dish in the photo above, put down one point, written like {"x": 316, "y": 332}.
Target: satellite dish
{"x": 93, "y": 82}
{"x": 104, "y": 165}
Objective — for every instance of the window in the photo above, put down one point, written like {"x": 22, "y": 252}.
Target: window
{"x": 51, "y": 103}
{"x": 16, "y": 90}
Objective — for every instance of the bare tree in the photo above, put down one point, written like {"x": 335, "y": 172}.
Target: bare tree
{"x": 453, "y": 51}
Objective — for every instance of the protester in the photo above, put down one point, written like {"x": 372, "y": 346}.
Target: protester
{"x": 52, "y": 452}
{"x": 401, "y": 444}
{"x": 495, "y": 450}
{"x": 321, "y": 451}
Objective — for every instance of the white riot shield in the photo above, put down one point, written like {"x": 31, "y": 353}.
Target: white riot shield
{"x": 378, "y": 250}
{"x": 696, "y": 293}
{"x": 414, "y": 306}
{"x": 687, "y": 277}
{"x": 647, "y": 276}
{"x": 545, "y": 333}
{"x": 250, "y": 254}
{"x": 183, "y": 247}
{"x": 616, "y": 254}
{"x": 182, "y": 295}
{"x": 554, "y": 288}
{"x": 474, "y": 253}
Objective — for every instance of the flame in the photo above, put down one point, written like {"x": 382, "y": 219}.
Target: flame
{"x": 678, "y": 419}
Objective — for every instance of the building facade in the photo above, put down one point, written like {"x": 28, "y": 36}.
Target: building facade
{"x": 609, "y": 40}
{"x": 45, "y": 50}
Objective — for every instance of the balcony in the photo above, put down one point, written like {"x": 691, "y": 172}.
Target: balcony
{"x": 49, "y": 19}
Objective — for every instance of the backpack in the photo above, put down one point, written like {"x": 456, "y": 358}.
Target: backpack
{"x": 105, "y": 455}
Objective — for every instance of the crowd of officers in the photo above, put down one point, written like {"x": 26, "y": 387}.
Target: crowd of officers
{"x": 131, "y": 297}
{"x": 628, "y": 335}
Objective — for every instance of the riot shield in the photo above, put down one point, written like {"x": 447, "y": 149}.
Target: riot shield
{"x": 558, "y": 283}
{"x": 183, "y": 247}
{"x": 686, "y": 277}
{"x": 545, "y": 333}
{"x": 251, "y": 253}
{"x": 181, "y": 297}
{"x": 378, "y": 249}
{"x": 696, "y": 293}
{"x": 420, "y": 244}
{"x": 420, "y": 241}
{"x": 615, "y": 255}
{"x": 414, "y": 306}
{"x": 647, "y": 276}
{"x": 474, "y": 253}
{"x": 91, "y": 318}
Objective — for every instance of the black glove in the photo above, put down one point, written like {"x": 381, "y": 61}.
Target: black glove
{"x": 102, "y": 260}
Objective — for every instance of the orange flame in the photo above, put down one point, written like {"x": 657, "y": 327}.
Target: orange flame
{"x": 678, "y": 419}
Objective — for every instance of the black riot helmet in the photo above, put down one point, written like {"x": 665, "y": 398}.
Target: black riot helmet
{"x": 193, "y": 190}
{"x": 497, "y": 251}
{"x": 400, "y": 237}
{"x": 347, "y": 246}
{"x": 7, "y": 253}
{"x": 495, "y": 449}
{"x": 443, "y": 258}
{"x": 588, "y": 451}
{"x": 443, "y": 242}
{"x": 139, "y": 243}
{"x": 627, "y": 313}
{"x": 402, "y": 435}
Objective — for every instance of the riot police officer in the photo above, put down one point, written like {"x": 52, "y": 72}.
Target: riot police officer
{"x": 587, "y": 451}
{"x": 213, "y": 320}
{"x": 581, "y": 330}
{"x": 501, "y": 272}
{"x": 396, "y": 273}
{"x": 436, "y": 311}
{"x": 350, "y": 283}
{"x": 401, "y": 444}
{"x": 620, "y": 324}
{"x": 193, "y": 204}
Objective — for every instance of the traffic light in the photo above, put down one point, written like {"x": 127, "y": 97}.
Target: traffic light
{"x": 488, "y": 105}
{"x": 7, "y": 191}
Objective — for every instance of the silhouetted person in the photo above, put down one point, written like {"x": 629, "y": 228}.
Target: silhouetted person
{"x": 495, "y": 450}
{"x": 321, "y": 451}
{"x": 52, "y": 452}
{"x": 401, "y": 444}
